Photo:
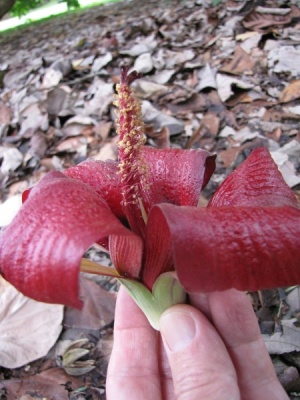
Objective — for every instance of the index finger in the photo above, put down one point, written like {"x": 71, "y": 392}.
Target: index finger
{"x": 133, "y": 371}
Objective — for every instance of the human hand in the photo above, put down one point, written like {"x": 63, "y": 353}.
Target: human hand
{"x": 216, "y": 353}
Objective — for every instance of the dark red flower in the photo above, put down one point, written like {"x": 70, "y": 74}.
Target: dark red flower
{"x": 143, "y": 209}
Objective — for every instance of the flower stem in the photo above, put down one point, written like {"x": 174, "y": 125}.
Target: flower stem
{"x": 98, "y": 269}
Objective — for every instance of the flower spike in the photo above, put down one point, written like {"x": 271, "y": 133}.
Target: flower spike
{"x": 133, "y": 169}
{"x": 126, "y": 78}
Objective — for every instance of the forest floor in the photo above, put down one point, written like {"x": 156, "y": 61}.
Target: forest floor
{"x": 225, "y": 79}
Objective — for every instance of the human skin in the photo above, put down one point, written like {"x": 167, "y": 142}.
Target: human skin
{"x": 211, "y": 350}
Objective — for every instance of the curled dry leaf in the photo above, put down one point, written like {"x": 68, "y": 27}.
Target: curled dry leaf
{"x": 28, "y": 329}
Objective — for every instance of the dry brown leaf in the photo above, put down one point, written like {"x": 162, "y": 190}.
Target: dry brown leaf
{"x": 32, "y": 118}
{"x": 38, "y": 145}
{"x": 229, "y": 156}
{"x": 74, "y": 144}
{"x": 59, "y": 377}
{"x": 16, "y": 77}
{"x": 109, "y": 151}
{"x": 102, "y": 129}
{"x": 98, "y": 307}
{"x": 5, "y": 114}
{"x": 240, "y": 63}
{"x": 33, "y": 388}
{"x": 259, "y": 21}
{"x": 275, "y": 134}
{"x": 226, "y": 86}
{"x": 59, "y": 102}
{"x": 160, "y": 139}
{"x": 290, "y": 92}
{"x": 77, "y": 125}
{"x": 204, "y": 135}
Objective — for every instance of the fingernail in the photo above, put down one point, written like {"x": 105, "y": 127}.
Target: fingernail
{"x": 178, "y": 329}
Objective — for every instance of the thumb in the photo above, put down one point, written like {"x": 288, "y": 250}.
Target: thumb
{"x": 200, "y": 364}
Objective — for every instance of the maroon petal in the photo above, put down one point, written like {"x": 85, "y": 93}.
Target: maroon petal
{"x": 103, "y": 177}
{"x": 169, "y": 175}
{"x": 41, "y": 250}
{"x": 256, "y": 182}
{"x": 176, "y": 176}
{"x": 246, "y": 248}
{"x": 158, "y": 256}
{"x": 126, "y": 255}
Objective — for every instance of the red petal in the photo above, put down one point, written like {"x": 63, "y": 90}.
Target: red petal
{"x": 176, "y": 176}
{"x": 126, "y": 255}
{"x": 42, "y": 248}
{"x": 245, "y": 248}
{"x": 103, "y": 178}
{"x": 256, "y": 182}
{"x": 172, "y": 176}
{"x": 158, "y": 256}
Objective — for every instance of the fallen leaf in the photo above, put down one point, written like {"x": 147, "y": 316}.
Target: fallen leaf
{"x": 33, "y": 388}
{"x": 11, "y": 159}
{"x": 290, "y": 92}
{"x": 207, "y": 77}
{"x": 285, "y": 166}
{"x": 9, "y": 209}
{"x": 160, "y": 139}
{"x": 145, "y": 89}
{"x": 14, "y": 78}
{"x": 226, "y": 85}
{"x": 76, "y": 144}
{"x": 257, "y": 20}
{"x": 101, "y": 62}
{"x": 286, "y": 341}
{"x": 59, "y": 102}
{"x": 28, "y": 329}
{"x": 32, "y": 118}
{"x": 109, "y": 151}
{"x": 229, "y": 156}
{"x": 240, "y": 63}
{"x": 285, "y": 59}
{"x": 164, "y": 76}
{"x": 76, "y": 125}
{"x": 143, "y": 64}
{"x": 5, "y": 114}
{"x": 153, "y": 116}
{"x": 103, "y": 128}
{"x": 38, "y": 145}
{"x": 51, "y": 78}
{"x": 98, "y": 307}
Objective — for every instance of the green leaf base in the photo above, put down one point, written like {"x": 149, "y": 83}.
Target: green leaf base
{"x": 166, "y": 292}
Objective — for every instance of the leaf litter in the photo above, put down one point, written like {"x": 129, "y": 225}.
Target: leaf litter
{"x": 224, "y": 78}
